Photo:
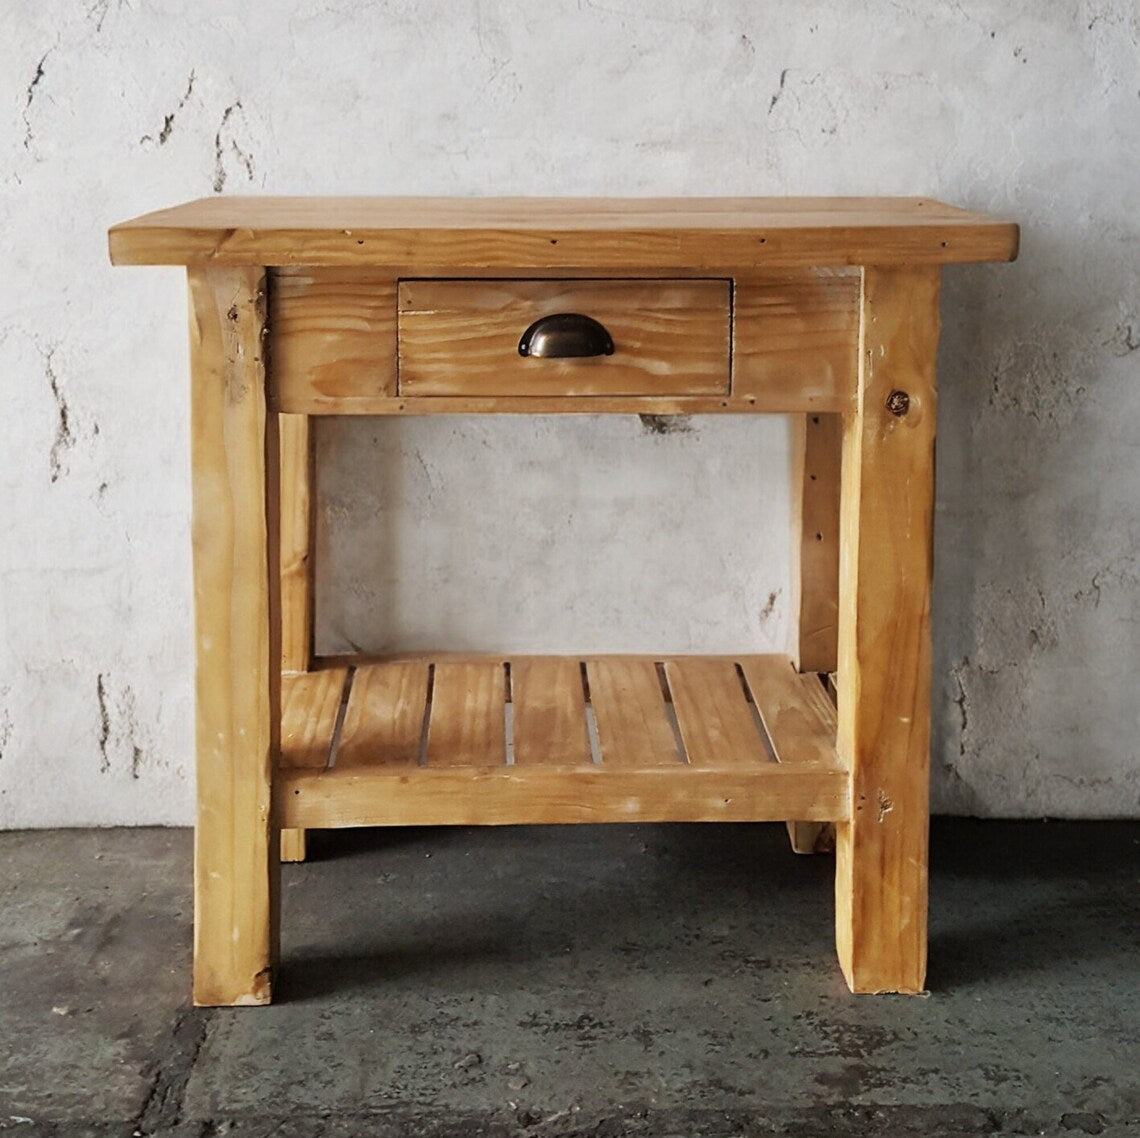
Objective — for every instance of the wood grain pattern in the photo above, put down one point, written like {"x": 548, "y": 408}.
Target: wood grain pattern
{"x": 817, "y": 447}
{"x": 679, "y": 236}
{"x": 798, "y": 716}
{"x": 630, "y": 714}
{"x": 552, "y": 778}
{"x": 297, "y": 469}
{"x": 334, "y": 335}
{"x": 310, "y": 705}
{"x": 884, "y": 638}
{"x": 297, "y": 504}
{"x": 234, "y": 455}
{"x": 713, "y": 715}
{"x": 549, "y": 712}
{"x": 294, "y": 845}
{"x": 468, "y": 718}
{"x": 779, "y": 402}
{"x": 795, "y": 333}
{"x": 542, "y": 794}
{"x": 384, "y": 719}
{"x": 462, "y": 337}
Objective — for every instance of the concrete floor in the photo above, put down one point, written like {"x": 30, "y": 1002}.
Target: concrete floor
{"x": 655, "y": 980}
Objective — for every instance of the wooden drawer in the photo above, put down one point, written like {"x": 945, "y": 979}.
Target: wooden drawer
{"x": 461, "y": 337}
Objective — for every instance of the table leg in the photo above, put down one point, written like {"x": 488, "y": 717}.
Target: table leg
{"x": 884, "y": 635}
{"x": 815, "y": 576}
{"x": 234, "y": 451}
{"x": 296, "y": 569}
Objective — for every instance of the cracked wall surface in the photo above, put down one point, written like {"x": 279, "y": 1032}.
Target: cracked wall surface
{"x": 1032, "y": 111}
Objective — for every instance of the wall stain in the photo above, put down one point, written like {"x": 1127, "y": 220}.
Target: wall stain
{"x": 962, "y": 702}
{"x": 104, "y": 725}
{"x": 779, "y": 90}
{"x": 64, "y": 435}
{"x": 98, "y": 11}
{"x": 30, "y": 94}
{"x": 6, "y": 727}
{"x": 770, "y": 605}
{"x": 168, "y": 122}
{"x": 1124, "y": 340}
{"x": 118, "y": 728}
{"x": 229, "y": 145}
{"x": 666, "y": 424}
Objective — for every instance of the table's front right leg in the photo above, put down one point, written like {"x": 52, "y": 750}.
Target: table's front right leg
{"x": 884, "y": 635}
{"x": 235, "y": 463}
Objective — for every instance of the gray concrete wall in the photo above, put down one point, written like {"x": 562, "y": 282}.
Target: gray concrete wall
{"x": 1030, "y": 110}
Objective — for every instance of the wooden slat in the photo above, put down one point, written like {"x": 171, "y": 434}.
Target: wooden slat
{"x": 549, "y": 710}
{"x": 334, "y": 335}
{"x": 467, "y": 725}
{"x": 310, "y": 705}
{"x": 884, "y": 638}
{"x": 763, "y": 402}
{"x": 442, "y": 236}
{"x": 818, "y": 445}
{"x": 796, "y": 332}
{"x": 462, "y": 337}
{"x": 713, "y": 714}
{"x": 798, "y": 716}
{"x": 630, "y": 713}
{"x": 234, "y": 456}
{"x": 512, "y": 795}
{"x": 384, "y": 719}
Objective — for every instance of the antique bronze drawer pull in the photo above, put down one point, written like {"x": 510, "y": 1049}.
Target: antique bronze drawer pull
{"x": 565, "y": 335}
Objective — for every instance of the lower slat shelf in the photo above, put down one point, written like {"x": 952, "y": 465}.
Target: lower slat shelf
{"x": 486, "y": 740}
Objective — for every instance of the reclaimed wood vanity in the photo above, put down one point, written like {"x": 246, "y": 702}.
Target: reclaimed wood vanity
{"x": 826, "y": 309}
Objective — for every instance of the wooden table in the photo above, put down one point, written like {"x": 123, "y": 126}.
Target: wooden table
{"x": 823, "y": 308}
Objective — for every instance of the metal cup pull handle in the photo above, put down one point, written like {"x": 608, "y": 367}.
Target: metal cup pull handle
{"x": 566, "y": 335}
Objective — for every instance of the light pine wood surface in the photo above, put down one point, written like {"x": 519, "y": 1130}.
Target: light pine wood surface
{"x": 462, "y": 337}
{"x": 548, "y": 703}
{"x": 236, "y": 587}
{"x": 822, "y": 307}
{"x": 419, "y": 729}
{"x": 795, "y": 334}
{"x": 816, "y": 451}
{"x": 606, "y": 236}
{"x": 334, "y": 336}
{"x": 383, "y": 721}
{"x": 298, "y": 465}
{"x": 884, "y": 637}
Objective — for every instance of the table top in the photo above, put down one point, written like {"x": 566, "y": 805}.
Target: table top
{"x": 675, "y": 234}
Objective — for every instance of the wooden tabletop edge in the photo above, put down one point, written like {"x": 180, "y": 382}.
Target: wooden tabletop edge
{"x": 312, "y": 231}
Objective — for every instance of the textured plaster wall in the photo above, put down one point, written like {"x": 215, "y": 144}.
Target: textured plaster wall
{"x": 112, "y": 107}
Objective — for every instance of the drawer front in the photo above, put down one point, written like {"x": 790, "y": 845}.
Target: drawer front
{"x": 461, "y": 337}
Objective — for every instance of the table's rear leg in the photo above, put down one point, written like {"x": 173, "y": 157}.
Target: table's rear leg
{"x": 815, "y": 473}
{"x": 884, "y": 635}
{"x": 236, "y": 588}
{"x": 297, "y": 466}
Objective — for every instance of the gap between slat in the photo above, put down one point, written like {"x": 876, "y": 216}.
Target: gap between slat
{"x": 334, "y": 744}
{"x": 671, "y": 713}
{"x": 591, "y": 722}
{"x": 421, "y": 759}
{"x": 757, "y": 718}
{"x": 508, "y": 715}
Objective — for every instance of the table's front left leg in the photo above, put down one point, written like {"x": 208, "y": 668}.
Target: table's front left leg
{"x": 234, "y": 452}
